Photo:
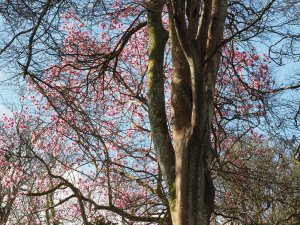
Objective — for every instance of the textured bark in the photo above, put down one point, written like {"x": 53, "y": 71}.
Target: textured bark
{"x": 195, "y": 34}
{"x": 157, "y": 113}
{"x": 50, "y": 210}
{"x": 195, "y": 67}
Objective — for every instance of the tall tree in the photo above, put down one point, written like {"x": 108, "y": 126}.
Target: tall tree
{"x": 196, "y": 30}
{"x": 87, "y": 64}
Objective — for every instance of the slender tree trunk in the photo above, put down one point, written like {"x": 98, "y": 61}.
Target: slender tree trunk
{"x": 157, "y": 114}
{"x": 50, "y": 211}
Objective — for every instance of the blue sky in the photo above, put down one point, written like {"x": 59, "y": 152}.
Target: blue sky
{"x": 8, "y": 95}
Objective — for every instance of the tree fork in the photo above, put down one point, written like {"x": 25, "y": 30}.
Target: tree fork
{"x": 195, "y": 66}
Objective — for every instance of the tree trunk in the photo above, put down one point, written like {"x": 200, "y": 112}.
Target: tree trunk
{"x": 195, "y": 66}
{"x": 195, "y": 34}
{"x": 157, "y": 114}
{"x": 194, "y": 188}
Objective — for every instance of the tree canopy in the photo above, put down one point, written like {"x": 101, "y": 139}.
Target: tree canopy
{"x": 150, "y": 112}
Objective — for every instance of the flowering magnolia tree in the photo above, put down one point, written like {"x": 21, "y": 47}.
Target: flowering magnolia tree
{"x": 131, "y": 109}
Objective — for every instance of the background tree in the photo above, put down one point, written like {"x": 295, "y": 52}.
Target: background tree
{"x": 257, "y": 184}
